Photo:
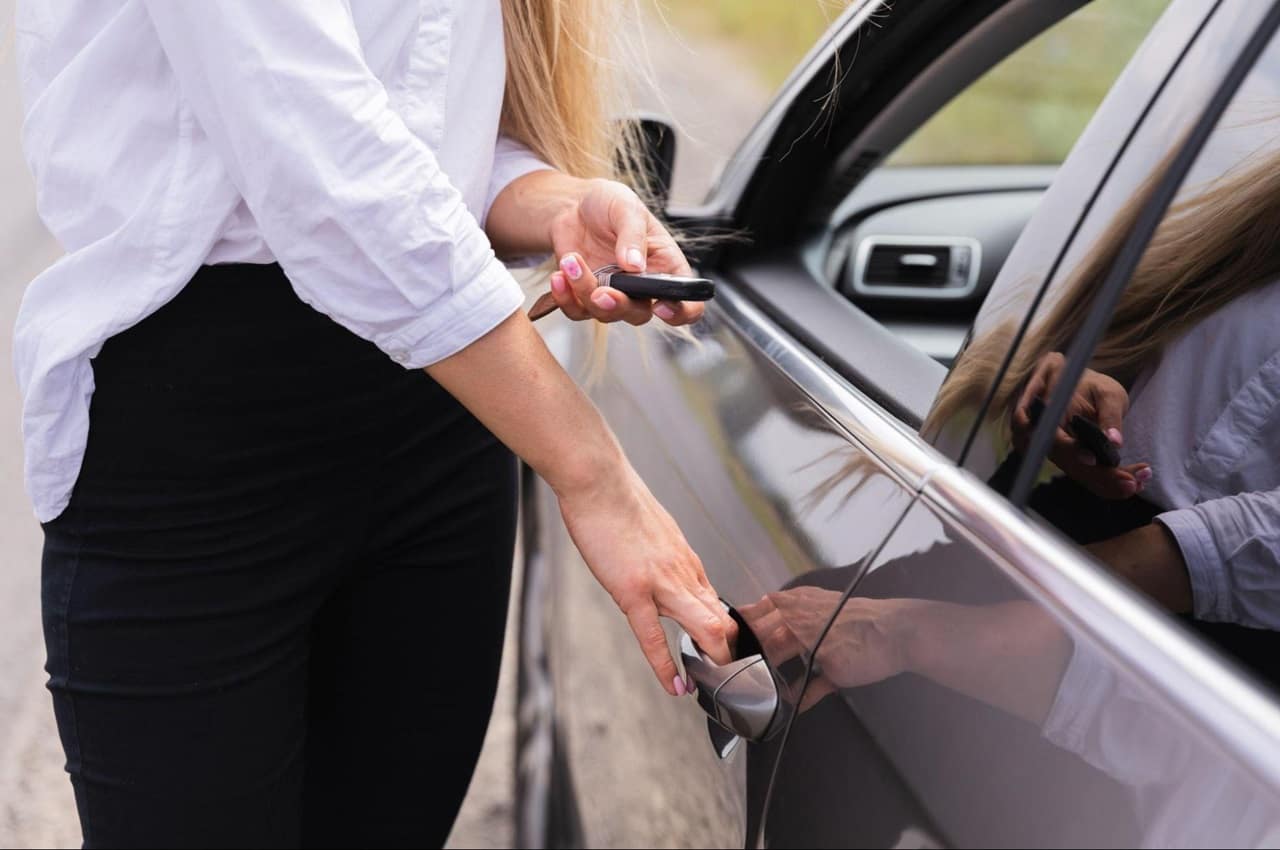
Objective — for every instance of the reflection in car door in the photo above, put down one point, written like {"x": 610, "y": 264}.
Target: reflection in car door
{"x": 767, "y": 486}
{"x": 1033, "y": 701}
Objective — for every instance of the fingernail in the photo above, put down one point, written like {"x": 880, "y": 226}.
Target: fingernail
{"x": 1114, "y": 435}
{"x": 664, "y": 311}
{"x": 557, "y": 284}
{"x": 1087, "y": 459}
{"x": 688, "y": 687}
{"x": 635, "y": 259}
{"x": 678, "y": 684}
{"x": 570, "y": 266}
{"x": 1145, "y": 474}
{"x": 1130, "y": 488}
{"x": 603, "y": 300}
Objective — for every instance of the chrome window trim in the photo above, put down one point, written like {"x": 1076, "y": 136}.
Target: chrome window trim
{"x": 1210, "y": 693}
{"x": 883, "y": 437}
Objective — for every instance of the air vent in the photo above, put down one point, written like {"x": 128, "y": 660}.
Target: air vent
{"x": 933, "y": 267}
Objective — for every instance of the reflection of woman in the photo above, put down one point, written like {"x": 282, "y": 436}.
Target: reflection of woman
{"x": 277, "y": 553}
{"x": 1194, "y": 347}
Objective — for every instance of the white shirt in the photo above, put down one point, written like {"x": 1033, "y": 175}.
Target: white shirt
{"x": 1206, "y": 416}
{"x": 353, "y": 141}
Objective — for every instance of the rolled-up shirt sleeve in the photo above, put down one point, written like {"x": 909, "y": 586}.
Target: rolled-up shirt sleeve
{"x": 1231, "y": 547}
{"x": 354, "y": 206}
{"x": 511, "y": 161}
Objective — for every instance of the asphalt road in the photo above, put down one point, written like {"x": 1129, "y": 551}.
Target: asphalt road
{"x": 36, "y": 808}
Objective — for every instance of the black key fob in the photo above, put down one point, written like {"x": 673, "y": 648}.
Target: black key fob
{"x": 1086, "y": 432}
{"x": 663, "y": 287}
{"x": 1089, "y": 435}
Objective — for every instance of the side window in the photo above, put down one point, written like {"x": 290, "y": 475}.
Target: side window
{"x": 1031, "y": 108}
{"x": 920, "y": 241}
{"x": 1166, "y": 462}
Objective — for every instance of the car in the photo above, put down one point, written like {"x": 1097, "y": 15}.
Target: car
{"x": 933, "y": 649}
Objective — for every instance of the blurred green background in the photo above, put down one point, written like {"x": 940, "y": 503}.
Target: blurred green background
{"x": 1029, "y": 109}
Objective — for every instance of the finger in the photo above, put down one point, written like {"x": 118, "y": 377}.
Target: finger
{"x": 610, "y": 305}
{"x": 708, "y": 628}
{"x": 630, "y": 220}
{"x": 1110, "y": 403}
{"x": 565, "y": 298}
{"x": 653, "y": 643}
{"x": 678, "y": 313}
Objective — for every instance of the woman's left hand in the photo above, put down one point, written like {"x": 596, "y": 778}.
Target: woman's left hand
{"x": 610, "y": 225}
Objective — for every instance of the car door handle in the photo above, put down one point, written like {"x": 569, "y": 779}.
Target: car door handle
{"x": 741, "y": 697}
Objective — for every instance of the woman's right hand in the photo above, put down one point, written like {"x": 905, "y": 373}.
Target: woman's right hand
{"x": 1098, "y": 397}
{"x": 638, "y": 553}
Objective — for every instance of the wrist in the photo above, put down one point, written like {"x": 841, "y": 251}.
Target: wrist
{"x": 590, "y": 473}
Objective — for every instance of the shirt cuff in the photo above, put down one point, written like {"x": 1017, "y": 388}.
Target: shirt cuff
{"x": 1210, "y": 592}
{"x": 1082, "y": 693}
{"x": 450, "y": 326}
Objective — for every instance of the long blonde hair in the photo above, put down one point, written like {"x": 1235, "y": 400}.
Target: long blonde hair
{"x": 567, "y": 84}
{"x": 1211, "y": 248}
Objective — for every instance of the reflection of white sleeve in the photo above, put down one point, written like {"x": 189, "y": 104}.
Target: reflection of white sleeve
{"x": 1186, "y": 794}
{"x": 1108, "y": 724}
{"x": 1232, "y": 550}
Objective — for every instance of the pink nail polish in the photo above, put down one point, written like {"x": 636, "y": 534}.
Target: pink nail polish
{"x": 1114, "y": 435}
{"x": 557, "y": 284}
{"x": 570, "y": 266}
{"x": 635, "y": 259}
{"x": 604, "y": 300}
{"x": 678, "y": 684}
{"x": 1145, "y": 475}
{"x": 664, "y": 311}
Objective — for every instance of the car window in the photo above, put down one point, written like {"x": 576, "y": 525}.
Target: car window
{"x": 921, "y": 239}
{"x": 1166, "y": 463}
{"x": 1031, "y": 108}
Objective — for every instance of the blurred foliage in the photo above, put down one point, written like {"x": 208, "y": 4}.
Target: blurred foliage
{"x": 773, "y": 35}
{"x": 1033, "y": 106}
{"x": 1028, "y": 109}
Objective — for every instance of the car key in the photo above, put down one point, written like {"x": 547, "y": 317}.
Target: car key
{"x": 1089, "y": 435}
{"x": 1085, "y": 431}
{"x": 663, "y": 287}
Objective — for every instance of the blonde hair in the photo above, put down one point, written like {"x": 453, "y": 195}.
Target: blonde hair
{"x": 567, "y": 84}
{"x": 1211, "y": 248}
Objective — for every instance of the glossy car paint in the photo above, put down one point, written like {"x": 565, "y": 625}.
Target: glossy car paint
{"x": 784, "y": 476}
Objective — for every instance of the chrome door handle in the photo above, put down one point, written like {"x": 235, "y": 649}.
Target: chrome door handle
{"x": 740, "y": 697}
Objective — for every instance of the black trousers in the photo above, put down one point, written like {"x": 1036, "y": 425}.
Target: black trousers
{"x": 274, "y": 608}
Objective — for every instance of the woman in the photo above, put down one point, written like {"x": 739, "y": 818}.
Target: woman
{"x": 1186, "y": 383}
{"x": 277, "y": 553}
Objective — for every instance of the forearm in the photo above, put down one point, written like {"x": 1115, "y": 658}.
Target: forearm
{"x": 520, "y": 220}
{"x": 1150, "y": 560}
{"x": 1011, "y": 655}
{"x": 511, "y": 383}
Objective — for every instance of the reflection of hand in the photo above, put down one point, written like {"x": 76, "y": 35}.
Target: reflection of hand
{"x": 1098, "y": 397}
{"x": 866, "y": 644}
{"x": 1010, "y": 655}
{"x": 609, "y": 225}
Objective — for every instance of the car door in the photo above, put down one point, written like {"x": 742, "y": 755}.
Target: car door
{"x": 1038, "y": 701}
{"x": 776, "y": 463}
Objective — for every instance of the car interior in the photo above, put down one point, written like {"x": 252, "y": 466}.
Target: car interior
{"x": 888, "y": 259}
